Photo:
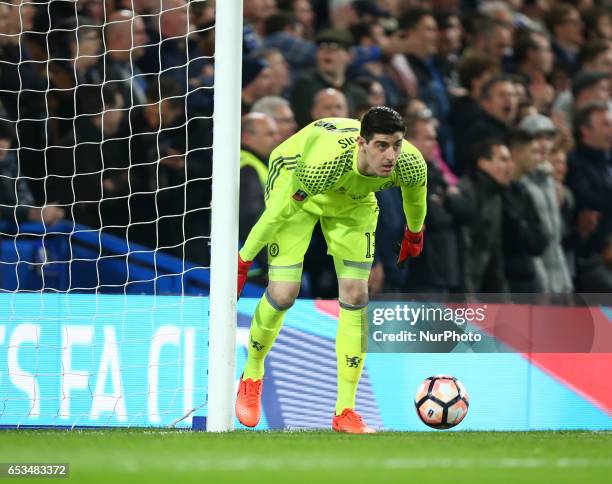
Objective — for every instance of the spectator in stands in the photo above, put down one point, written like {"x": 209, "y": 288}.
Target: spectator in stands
{"x": 124, "y": 38}
{"x": 284, "y": 33}
{"x": 534, "y": 60}
{"x": 564, "y": 23}
{"x": 280, "y": 78}
{"x": 417, "y": 108}
{"x": 259, "y": 137}
{"x": 343, "y": 14}
{"x": 174, "y": 53}
{"x": 589, "y": 87}
{"x": 74, "y": 56}
{"x": 148, "y": 10}
{"x": 155, "y": 139}
{"x": 474, "y": 71}
{"x": 595, "y": 56}
{"x": 492, "y": 38}
{"x": 543, "y": 132}
{"x": 93, "y": 10}
{"x": 419, "y": 28}
{"x": 18, "y": 76}
{"x": 73, "y": 60}
{"x": 567, "y": 205}
{"x": 96, "y": 181}
{"x": 155, "y": 133}
{"x": 16, "y": 72}
{"x": 552, "y": 268}
{"x": 202, "y": 14}
{"x": 598, "y": 23}
{"x": 482, "y": 256}
{"x": 376, "y": 95}
{"x": 370, "y": 36}
{"x": 449, "y": 45}
{"x": 498, "y": 103}
{"x": 438, "y": 267}
{"x": 590, "y": 176}
{"x": 333, "y": 58}
{"x": 303, "y": 13}
{"x": 278, "y": 109}
{"x": 375, "y": 90}
{"x": 329, "y": 103}
{"x": 255, "y": 13}
{"x": 498, "y": 11}
{"x": 522, "y": 221}
{"x": 16, "y": 201}
{"x": 257, "y": 82}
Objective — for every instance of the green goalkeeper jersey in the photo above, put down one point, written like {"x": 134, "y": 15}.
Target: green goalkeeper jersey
{"x": 318, "y": 164}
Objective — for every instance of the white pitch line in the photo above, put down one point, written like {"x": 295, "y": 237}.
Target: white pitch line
{"x": 261, "y": 463}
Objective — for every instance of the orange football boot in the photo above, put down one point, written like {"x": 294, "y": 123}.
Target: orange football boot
{"x": 350, "y": 422}
{"x": 248, "y": 401}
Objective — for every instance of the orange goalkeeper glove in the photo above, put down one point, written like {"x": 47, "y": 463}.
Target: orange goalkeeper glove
{"x": 411, "y": 246}
{"x": 243, "y": 272}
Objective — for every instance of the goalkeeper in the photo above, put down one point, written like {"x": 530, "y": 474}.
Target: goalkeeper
{"x": 327, "y": 173}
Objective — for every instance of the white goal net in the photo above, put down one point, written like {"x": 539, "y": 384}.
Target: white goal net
{"x": 105, "y": 194}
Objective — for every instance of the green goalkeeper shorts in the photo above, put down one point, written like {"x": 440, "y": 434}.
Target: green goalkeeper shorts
{"x": 348, "y": 226}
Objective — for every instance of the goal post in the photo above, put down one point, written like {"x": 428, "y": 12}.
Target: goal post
{"x": 224, "y": 222}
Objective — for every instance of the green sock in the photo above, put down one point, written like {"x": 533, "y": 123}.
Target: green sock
{"x": 349, "y": 355}
{"x": 265, "y": 326}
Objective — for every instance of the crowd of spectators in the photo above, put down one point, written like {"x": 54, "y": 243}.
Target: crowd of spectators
{"x": 105, "y": 109}
{"x": 510, "y": 103}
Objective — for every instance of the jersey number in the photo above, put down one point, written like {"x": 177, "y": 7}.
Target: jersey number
{"x": 370, "y": 244}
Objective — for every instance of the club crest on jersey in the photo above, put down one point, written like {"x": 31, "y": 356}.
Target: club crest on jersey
{"x": 274, "y": 249}
{"x": 299, "y": 196}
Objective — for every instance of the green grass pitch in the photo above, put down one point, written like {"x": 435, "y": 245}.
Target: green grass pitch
{"x": 170, "y": 456}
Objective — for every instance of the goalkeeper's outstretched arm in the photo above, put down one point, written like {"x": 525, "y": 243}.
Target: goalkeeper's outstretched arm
{"x": 415, "y": 206}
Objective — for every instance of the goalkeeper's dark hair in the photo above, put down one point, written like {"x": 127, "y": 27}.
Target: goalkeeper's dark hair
{"x": 381, "y": 120}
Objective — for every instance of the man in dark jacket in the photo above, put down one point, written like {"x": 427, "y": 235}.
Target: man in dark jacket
{"x": 498, "y": 104}
{"x": 87, "y": 173}
{"x": 420, "y": 29}
{"x": 474, "y": 71}
{"x": 438, "y": 269}
{"x": 482, "y": 238}
{"x": 590, "y": 175}
{"x": 521, "y": 221}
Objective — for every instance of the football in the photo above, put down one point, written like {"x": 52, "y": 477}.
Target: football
{"x": 441, "y": 402}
